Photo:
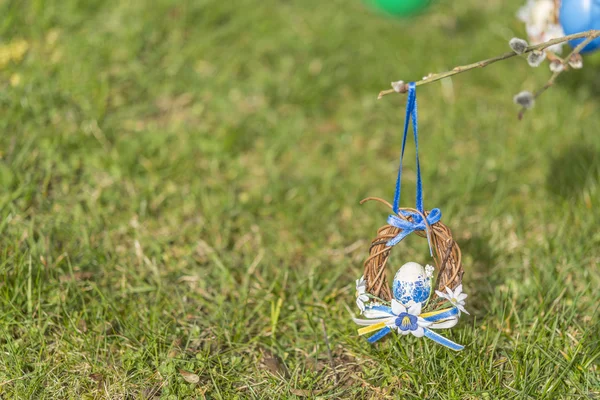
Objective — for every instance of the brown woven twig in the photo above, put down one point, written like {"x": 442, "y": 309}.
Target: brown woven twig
{"x": 447, "y": 255}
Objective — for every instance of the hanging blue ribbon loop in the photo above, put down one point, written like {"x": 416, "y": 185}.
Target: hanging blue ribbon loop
{"x": 411, "y": 113}
{"x": 417, "y": 223}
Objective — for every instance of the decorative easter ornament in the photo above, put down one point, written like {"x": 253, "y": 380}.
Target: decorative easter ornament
{"x": 412, "y": 284}
{"x": 579, "y": 16}
{"x": 541, "y": 22}
{"x": 410, "y": 308}
{"x": 400, "y": 8}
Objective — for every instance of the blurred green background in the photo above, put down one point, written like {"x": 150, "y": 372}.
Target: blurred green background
{"x": 179, "y": 201}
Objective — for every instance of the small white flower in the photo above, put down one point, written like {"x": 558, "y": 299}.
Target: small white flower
{"x": 556, "y": 66}
{"x": 429, "y": 271}
{"x": 539, "y": 17}
{"x": 524, "y": 99}
{"x": 518, "y": 45}
{"x": 456, "y": 297}
{"x": 361, "y": 296}
{"x": 535, "y": 58}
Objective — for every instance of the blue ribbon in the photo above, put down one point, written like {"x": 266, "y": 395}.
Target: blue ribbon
{"x": 436, "y": 317}
{"x": 379, "y": 335}
{"x": 408, "y": 227}
{"x": 435, "y": 215}
{"x": 411, "y": 111}
{"x": 452, "y": 312}
{"x": 439, "y": 339}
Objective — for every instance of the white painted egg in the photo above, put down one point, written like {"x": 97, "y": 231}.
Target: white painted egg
{"x": 411, "y": 283}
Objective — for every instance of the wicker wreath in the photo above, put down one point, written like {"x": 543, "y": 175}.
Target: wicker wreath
{"x": 447, "y": 255}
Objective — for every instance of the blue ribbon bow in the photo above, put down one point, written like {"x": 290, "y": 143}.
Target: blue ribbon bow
{"x": 408, "y": 227}
{"x": 417, "y": 223}
{"x": 436, "y": 316}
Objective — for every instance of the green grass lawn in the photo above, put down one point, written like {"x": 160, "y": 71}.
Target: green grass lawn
{"x": 179, "y": 192}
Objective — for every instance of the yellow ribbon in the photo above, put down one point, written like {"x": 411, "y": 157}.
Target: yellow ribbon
{"x": 371, "y": 328}
{"x": 436, "y": 312}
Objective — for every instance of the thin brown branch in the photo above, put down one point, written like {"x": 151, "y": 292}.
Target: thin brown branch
{"x": 555, "y": 75}
{"x": 589, "y": 35}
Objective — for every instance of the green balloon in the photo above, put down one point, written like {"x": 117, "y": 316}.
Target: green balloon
{"x": 400, "y": 8}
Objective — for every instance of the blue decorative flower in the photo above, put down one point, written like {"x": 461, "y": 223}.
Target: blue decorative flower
{"x": 406, "y": 322}
{"x": 383, "y": 319}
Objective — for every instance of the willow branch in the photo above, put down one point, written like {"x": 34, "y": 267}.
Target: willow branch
{"x": 589, "y": 35}
{"x": 555, "y": 75}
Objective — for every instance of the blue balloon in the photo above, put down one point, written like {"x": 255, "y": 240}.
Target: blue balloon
{"x": 579, "y": 16}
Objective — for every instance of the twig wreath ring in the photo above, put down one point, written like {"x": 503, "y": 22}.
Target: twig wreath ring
{"x": 411, "y": 306}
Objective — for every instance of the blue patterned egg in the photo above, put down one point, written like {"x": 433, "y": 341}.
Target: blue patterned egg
{"x": 411, "y": 283}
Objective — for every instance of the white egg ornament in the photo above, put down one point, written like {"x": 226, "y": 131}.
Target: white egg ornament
{"x": 412, "y": 283}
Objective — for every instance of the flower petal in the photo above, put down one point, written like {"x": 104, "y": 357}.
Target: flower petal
{"x": 458, "y": 290}
{"x": 414, "y": 309}
{"x": 461, "y": 308}
{"x": 449, "y": 291}
{"x": 364, "y": 297}
{"x": 441, "y": 294}
{"x": 462, "y": 296}
{"x": 419, "y": 332}
{"x": 403, "y": 332}
{"x": 397, "y": 307}
{"x": 360, "y": 304}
